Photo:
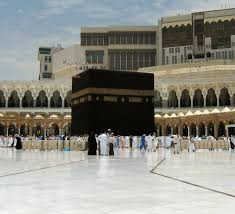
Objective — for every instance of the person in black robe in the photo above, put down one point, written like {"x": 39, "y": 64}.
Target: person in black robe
{"x": 18, "y": 142}
{"x": 111, "y": 144}
{"x": 92, "y": 145}
{"x": 231, "y": 143}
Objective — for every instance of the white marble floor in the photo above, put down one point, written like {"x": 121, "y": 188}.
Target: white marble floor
{"x": 70, "y": 182}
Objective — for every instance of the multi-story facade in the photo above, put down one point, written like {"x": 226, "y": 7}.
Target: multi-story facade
{"x": 120, "y": 48}
{"x": 45, "y": 58}
{"x": 204, "y": 35}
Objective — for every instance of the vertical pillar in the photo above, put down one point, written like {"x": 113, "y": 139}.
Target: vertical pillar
{"x": 197, "y": 131}
{"x": 172, "y": 131}
{"x": 34, "y": 102}
{"x": 204, "y": 97}
{"x": 189, "y": 131}
{"x": 206, "y": 130}
{"x": 7, "y": 131}
{"x": 163, "y": 130}
{"x": 45, "y": 132}
{"x": 30, "y": 131}
{"x": 217, "y": 96}
{"x": 20, "y": 101}
{"x": 63, "y": 102}
{"x": 191, "y": 97}
{"x": 216, "y": 131}
{"x": 49, "y": 101}
{"x": 6, "y": 104}
{"x": 178, "y": 101}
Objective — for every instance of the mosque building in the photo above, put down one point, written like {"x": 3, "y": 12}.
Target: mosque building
{"x": 192, "y": 57}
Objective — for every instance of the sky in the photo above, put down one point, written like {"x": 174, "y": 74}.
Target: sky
{"x": 27, "y": 24}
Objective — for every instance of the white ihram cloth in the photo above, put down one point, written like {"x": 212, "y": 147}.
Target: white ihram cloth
{"x": 10, "y": 141}
{"x": 135, "y": 142}
{"x": 103, "y": 138}
{"x": 149, "y": 140}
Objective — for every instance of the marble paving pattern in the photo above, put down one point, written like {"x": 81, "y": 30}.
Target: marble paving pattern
{"x": 114, "y": 185}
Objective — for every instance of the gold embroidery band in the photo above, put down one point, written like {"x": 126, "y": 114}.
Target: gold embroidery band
{"x": 112, "y": 91}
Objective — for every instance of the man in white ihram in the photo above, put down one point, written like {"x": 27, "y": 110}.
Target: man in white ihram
{"x": 103, "y": 139}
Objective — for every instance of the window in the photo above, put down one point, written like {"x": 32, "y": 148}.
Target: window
{"x": 173, "y": 60}
{"x": 45, "y": 58}
{"x": 176, "y": 60}
{"x": 172, "y": 50}
{"x": 167, "y": 60}
{"x": 45, "y": 67}
{"x": 49, "y": 59}
{"x": 213, "y": 55}
{"x": 182, "y": 59}
{"x": 225, "y": 55}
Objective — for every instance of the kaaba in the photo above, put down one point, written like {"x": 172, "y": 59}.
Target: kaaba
{"x": 118, "y": 100}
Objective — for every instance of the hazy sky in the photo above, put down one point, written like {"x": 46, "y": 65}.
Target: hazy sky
{"x": 27, "y": 24}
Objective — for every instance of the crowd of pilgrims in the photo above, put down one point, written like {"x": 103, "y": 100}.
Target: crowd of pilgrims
{"x": 105, "y": 143}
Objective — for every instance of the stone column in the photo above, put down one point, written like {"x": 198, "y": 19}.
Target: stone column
{"x": 206, "y": 130}
{"x": 189, "y": 131}
{"x": 49, "y": 101}
{"x": 6, "y": 104}
{"x": 63, "y": 98}
{"x": 178, "y": 102}
{"x": 204, "y": 97}
{"x": 34, "y": 102}
{"x": 45, "y": 132}
{"x": 197, "y": 131}
{"x": 191, "y": 97}
{"x": 172, "y": 131}
{"x": 30, "y": 131}
{"x": 21, "y": 99}
{"x": 217, "y": 96}
{"x": 216, "y": 131}
{"x": 7, "y": 131}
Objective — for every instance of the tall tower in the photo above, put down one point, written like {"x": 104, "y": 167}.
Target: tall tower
{"x": 45, "y": 57}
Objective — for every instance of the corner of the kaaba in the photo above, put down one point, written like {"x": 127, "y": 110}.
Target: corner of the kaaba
{"x": 118, "y": 100}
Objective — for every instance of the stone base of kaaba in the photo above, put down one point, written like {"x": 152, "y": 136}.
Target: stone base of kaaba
{"x": 120, "y": 101}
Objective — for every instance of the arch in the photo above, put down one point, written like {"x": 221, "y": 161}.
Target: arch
{"x": 67, "y": 100}
{"x": 27, "y": 100}
{"x": 224, "y": 98}
{"x": 168, "y": 130}
{"x": 193, "y": 130}
{"x": 211, "y": 129}
{"x": 190, "y": 56}
{"x": 198, "y": 100}
{"x": 56, "y": 100}
{"x": 172, "y": 99}
{"x": 201, "y": 130}
{"x": 38, "y": 130}
{"x": 14, "y": 100}
{"x": 185, "y": 130}
{"x": 2, "y": 99}
{"x": 221, "y": 129}
{"x": 24, "y": 129}
{"x": 208, "y": 55}
{"x": 211, "y": 99}
{"x": 54, "y": 129}
{"x": 2, "y": 129}
{"x": 67, "y": 129}
{"x": 185, "y": 100}
{"x": 42, "y": 100}
{"x": 157, "y": 99}
{"x": 12, "y": 130}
